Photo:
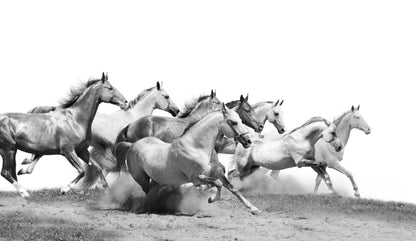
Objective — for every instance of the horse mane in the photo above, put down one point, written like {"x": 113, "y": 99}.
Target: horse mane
{"x": 310, "y": 121}
{"x": 142, "y": 94}
{"x": 75, "y": 92}
{"x": 339, "y": 118}
{"x": 257, "y": 105}
{"x": 233, "y": 103}
{"x": 42, "y": 109}
{"x": 190, "y": 106}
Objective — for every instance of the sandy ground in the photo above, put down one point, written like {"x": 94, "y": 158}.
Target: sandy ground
{"x": 285, "y": 217}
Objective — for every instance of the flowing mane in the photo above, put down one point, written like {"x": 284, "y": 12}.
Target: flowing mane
{"x": 75, "y": 92}
{"x": 142, "y": 94}
{"x": 190, "y": 106}
{"x": 257, "y": 105}
{"x": 310, "y": 121}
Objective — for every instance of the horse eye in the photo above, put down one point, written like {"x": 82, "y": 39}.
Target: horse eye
{"x": 276, "y": 113}
{"x": 167, "y": 96}
{"x": 233, "y": 123}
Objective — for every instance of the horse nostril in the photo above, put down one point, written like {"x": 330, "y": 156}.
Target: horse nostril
{"x": 249, "y": 141}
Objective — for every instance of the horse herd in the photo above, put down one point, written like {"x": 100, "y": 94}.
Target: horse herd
{"x": 174, "y": 150}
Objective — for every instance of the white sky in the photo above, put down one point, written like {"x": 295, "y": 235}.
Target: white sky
{"x": 320, "y": 56}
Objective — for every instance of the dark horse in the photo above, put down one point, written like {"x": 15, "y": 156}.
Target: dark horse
{"x": 65, "y": 131}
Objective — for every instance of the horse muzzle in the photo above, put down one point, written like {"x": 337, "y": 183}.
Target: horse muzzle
{"x": 173, "y": 111}
{"x": 244, "y": 139}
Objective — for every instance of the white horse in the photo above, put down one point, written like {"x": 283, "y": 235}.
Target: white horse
{"x": 295, "y": 148}
{"x": 105, "y": 128}
{"x": 189, "y": 158}
{"x": 326, "y": 153}
{"x": 265, "y": 111}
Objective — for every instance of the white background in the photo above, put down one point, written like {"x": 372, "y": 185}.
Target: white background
{"x": 320, "y": 56}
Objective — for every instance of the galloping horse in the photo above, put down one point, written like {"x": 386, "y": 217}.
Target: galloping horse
{"x": 326, "y": 154}
{"x": 295, "y": 148}
{"x": 105, "y": 128}
{"x": 66, "y": 131}
{"x": 188, "y": 158}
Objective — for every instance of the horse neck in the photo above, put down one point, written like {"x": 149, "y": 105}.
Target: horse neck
{"x": 204, "y": 133}
{"x": 313, "y": 132}
{"x": 86, "y": 107}
{"x": 144, "y": 106}
{"x": 344, "y": 129}
{"x": 262, "y": 110}
{"x": 197, "y": 114}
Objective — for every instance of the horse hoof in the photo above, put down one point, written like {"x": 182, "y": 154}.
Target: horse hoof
{"x": 20, "y": 172}
{"x": 24, "y": 194}
{"x": 357, "y": 195}
{"x": 26, "y": 161}
{"x": 255, "y": 211}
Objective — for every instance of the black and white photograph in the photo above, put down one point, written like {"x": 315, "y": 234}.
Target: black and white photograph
{"x": 207, "y": 120}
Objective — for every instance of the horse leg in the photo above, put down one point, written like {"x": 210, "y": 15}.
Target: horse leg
{"x": 33, "y": 162}
{"x": 141, "y": 177}
{"x": 86, "y": 157}
{"x": 321, "y": 171}
{"x": 347, "y": 173}
{"x": 211, "y": 181}
{"x": 317, "y": 182}
{"x": 73, "y": 159}
{"x": 254, "y": 210}
{"x": 8, "y": 170}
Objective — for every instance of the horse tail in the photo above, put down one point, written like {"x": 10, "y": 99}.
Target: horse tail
{"x": 121, "y": 149}
{"x": 42, "y": 109}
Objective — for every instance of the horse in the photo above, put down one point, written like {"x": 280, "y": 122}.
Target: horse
{"x": 189, "y": 158}
{"x": 326, "y": 154}
{"x": 65, "y": 131}
{"x": 167, "y": 129}
{"x": 105, "y": 128}
{"x": 264, "y": 111}
{"x": 295, "y": 148}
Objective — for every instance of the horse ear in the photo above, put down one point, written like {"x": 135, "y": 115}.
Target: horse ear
{"x": 158, "y": 85}
{"x": 212, "y": 94}
{"x": 358, "y": 108}
{"x": 242, "y": 98}
{"x": 277, "y": 102}
{"x": 247, "y": 97}
{"x": 281, "y": 103}
{"x": 352, "y": 108}
{"x": 106, "y": 76}
{"x": 103, "y": 77}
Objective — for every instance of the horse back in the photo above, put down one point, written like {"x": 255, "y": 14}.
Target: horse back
{"x": 164, "y": 128}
